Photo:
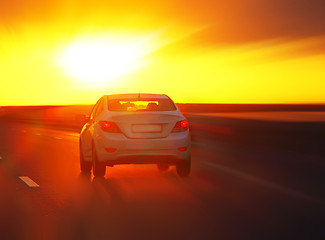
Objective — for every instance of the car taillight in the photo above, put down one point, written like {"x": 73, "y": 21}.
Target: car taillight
{"x": 110, "y": 150}
{"x": 182, "y": 149}
{"x": 180, "y": 126}
{"x": 109, "y": 127}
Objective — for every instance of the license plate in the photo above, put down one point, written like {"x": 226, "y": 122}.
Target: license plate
{"x": 145, "y": 128}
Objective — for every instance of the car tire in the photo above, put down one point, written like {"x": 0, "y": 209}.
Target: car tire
{"x": 163, "y": 167}
{"x": 183, "y": 168}
{"x": 84, "y": 166}
{"x": 99, "y": 169}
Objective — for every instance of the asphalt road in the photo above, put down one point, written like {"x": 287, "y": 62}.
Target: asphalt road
{"x": 250, "y": 180}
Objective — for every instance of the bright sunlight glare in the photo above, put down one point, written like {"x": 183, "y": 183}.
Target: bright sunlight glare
{"x": 98, "y": 60}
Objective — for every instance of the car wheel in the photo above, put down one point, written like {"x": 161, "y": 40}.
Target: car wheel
{"x": 99, "y": 168}
{"x": 183, "y": 168}
{"x": 162, "y": 167}
{"x": 84, "y": 166}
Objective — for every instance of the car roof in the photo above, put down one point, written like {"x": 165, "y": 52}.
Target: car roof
{"x": 136, "y": 95}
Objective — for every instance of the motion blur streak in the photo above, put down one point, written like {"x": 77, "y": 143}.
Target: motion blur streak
{"x": 213, "y": 129}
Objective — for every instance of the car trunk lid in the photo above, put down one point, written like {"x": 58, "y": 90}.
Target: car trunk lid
{"x": 146, "y": 125}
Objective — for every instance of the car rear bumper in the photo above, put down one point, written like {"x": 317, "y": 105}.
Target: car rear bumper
{"x": 128, "y": 151}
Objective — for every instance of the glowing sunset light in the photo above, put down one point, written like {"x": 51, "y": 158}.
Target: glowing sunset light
{"x": 212, "y": 51}
{"x": 96, "y": 60}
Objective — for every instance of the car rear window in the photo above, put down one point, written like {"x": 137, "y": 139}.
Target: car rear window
{"x": 143, "y": 104}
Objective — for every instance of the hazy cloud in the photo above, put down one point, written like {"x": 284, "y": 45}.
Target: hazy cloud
{"x": 230, "y": 22}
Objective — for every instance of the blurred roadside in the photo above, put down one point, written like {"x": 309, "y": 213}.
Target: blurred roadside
{"x": 73, "y": 117}
{"x": 299, "y": 128}
{"x": 284, "y": 116}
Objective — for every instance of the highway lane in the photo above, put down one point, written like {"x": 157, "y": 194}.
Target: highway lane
{"x": 238, "y": 189}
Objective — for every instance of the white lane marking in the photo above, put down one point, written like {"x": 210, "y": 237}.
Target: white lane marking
{"x": 37, "y": 134}
{"x": 23, "y": 131}
{"x": 58, "y": 138}
{"x": 0, "y": 157}
{"x": 264, "y": 183}
{"x": 28, "y": 181}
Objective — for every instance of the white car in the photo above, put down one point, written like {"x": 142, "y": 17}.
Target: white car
{"x": 135, "y": 129}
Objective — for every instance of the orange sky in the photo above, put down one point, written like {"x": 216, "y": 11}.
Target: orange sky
{"x": 71, "y": 52}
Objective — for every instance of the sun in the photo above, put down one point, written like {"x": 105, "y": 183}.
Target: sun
{"x": 98, "y": 60}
